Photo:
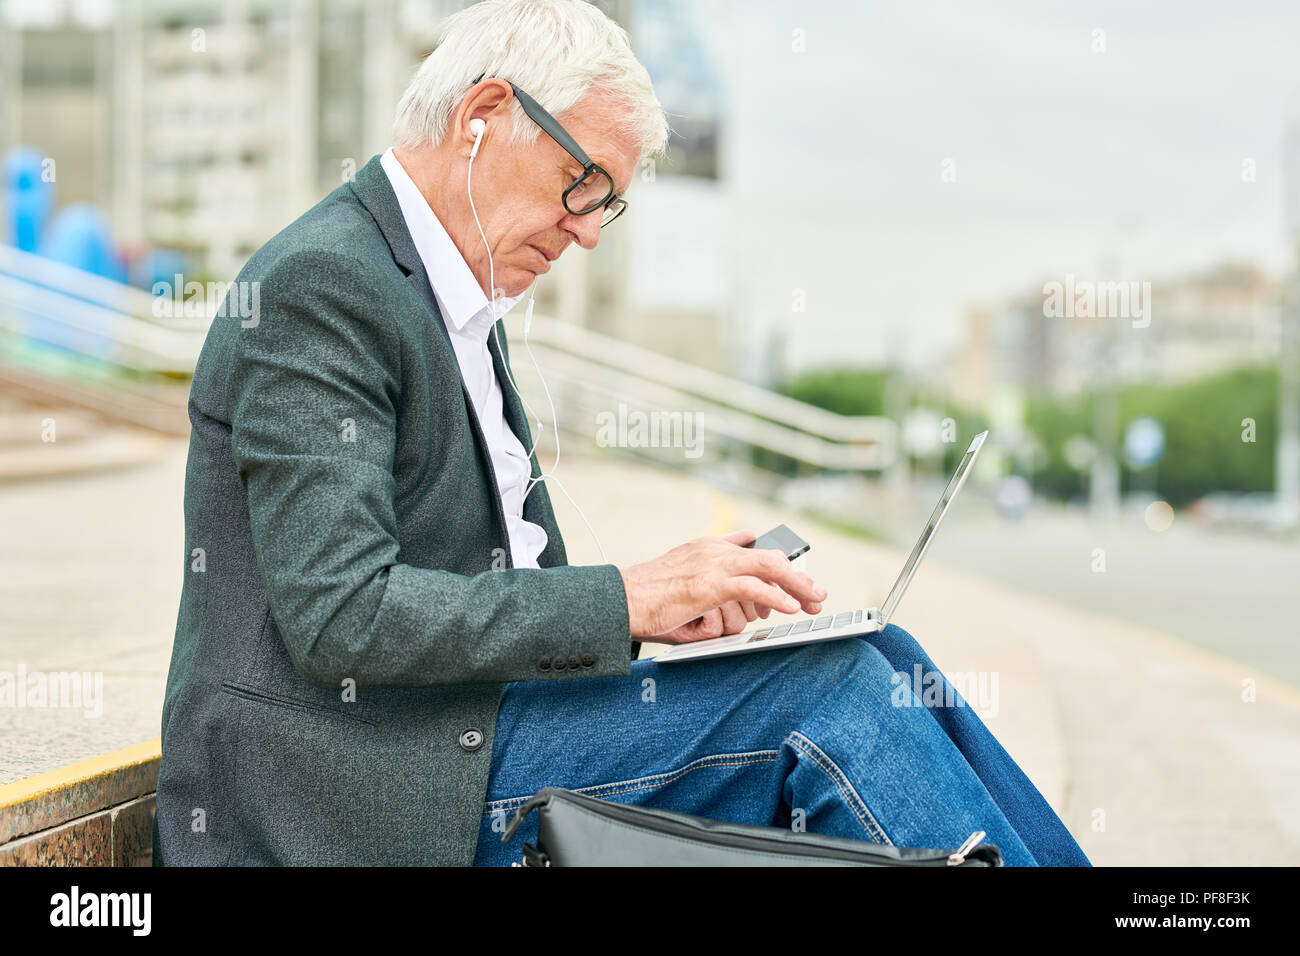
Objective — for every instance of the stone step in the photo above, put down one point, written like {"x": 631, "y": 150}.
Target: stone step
{"x": 99, "y": 449}
{"x": 26, "y": 425}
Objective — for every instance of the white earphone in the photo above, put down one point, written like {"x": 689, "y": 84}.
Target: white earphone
{"x": 478, "y": 127}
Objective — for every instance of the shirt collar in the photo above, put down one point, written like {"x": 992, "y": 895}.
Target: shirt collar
{"x": 458, "y": 293}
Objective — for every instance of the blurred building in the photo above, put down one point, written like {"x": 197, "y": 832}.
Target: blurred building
{"x": 1223, "y": 317}
{"x": 206, "y": 126}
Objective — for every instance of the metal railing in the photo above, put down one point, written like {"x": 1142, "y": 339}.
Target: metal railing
{"x": 593, "y": 375}
{"x": 93, "y": 319}
{"x": 56, "y": 323}
{"x": 71, "y": 338}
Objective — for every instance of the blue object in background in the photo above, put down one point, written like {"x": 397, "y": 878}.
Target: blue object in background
{"x": 80, "y": 236}
{"x": 1144, "y": 442}
{"x": 157, "y": 265}
{"x": 28, "y": 198}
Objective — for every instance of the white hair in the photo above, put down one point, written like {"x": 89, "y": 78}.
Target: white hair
{"x": 554, "y": 50}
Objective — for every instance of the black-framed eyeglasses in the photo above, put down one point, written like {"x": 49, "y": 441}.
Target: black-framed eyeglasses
{"x": 593, "y": 188}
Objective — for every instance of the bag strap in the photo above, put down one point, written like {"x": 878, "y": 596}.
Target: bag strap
{"x": 540, "y": 798}
{"x": 533, "y": 857}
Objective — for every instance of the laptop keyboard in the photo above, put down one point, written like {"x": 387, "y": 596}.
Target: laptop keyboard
{"x": 809, "y": 624}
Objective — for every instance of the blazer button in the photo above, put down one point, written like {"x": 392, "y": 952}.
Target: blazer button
{"x": 471, "y": 740}
{"x": 574, "y": 663}
{"x": 588, "y": 660}
{"x": 558, "y": 664}
{"x": 544, "y": 664}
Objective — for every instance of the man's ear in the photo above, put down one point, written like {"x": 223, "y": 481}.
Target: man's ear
{"x": 488, "y": 100}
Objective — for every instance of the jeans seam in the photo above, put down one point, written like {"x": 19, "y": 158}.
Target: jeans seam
{"x": 841, "y": 780}
{"x": 650, "y": 780}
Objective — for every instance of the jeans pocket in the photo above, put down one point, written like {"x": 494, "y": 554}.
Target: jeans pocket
{"x": 814, "y": 757}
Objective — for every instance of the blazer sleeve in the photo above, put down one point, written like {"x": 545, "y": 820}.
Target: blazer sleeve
{"x": 313, "y": 392}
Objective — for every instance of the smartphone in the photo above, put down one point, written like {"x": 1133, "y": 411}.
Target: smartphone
{"x": 782, "y": 539}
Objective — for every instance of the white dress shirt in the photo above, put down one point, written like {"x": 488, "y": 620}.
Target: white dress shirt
{"x": 467, "y": 314}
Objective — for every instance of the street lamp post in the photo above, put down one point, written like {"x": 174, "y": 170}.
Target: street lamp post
{"x": 1287, "y": 461}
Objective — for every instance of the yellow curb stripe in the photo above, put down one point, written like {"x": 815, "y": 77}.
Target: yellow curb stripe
{"x": 54, "y": 780}
{"x": 1219, "y": 665}
{"x": 722, "y": 518}
{"x": 723, "y": 514}
{"x": 1213, "y": 663}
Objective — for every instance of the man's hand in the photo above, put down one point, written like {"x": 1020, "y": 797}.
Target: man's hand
{"x": 713, "y": 586}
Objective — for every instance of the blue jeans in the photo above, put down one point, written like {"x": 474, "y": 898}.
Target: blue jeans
{"x": 822, "y": 737}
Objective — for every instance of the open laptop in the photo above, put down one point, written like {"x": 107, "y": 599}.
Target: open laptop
{"x": 831, "y": 627}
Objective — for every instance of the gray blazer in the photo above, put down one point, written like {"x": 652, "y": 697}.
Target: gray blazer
{"x": 345, "y": 539}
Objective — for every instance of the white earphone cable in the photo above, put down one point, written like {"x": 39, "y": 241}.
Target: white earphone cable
{"x": 555, "y": 421}
{"x": 469, "y": 179}
{"x": 531, "y": 483}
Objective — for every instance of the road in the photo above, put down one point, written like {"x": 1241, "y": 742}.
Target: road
{"x": 1229, "y": 592}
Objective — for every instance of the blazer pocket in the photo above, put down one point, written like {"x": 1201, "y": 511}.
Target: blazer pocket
{"x": 275, "y": 700}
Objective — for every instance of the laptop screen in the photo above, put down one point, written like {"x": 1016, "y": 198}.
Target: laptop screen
{"x": 941, "y": 509}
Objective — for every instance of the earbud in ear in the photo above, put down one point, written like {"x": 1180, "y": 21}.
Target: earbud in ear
{"x": 478, "y": 127}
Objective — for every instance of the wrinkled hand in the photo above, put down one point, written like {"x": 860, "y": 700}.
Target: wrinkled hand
{"x": 713, "y": 586}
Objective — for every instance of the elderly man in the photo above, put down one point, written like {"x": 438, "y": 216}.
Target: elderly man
{"x": 381, "y": 649}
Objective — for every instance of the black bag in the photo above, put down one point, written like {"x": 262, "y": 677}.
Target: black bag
{"x": 577, "y": 830}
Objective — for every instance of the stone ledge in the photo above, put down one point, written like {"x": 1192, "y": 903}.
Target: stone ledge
{"x": 77, "y": 794}
{"x": 119, "y": 836}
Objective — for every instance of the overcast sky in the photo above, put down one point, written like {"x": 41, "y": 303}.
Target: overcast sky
{"x": 1121, "y": 163}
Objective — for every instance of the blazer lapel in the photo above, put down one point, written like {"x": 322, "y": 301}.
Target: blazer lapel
{"x": 514, "y": 408}
{"x": 537, "y": 508}
{"x": 375, "y": 192}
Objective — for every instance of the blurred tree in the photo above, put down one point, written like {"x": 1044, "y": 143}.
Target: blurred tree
{"x": 1203, "y": 422}
{"x": 1205, "y": 450}
{"x": 844, "y": 390}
